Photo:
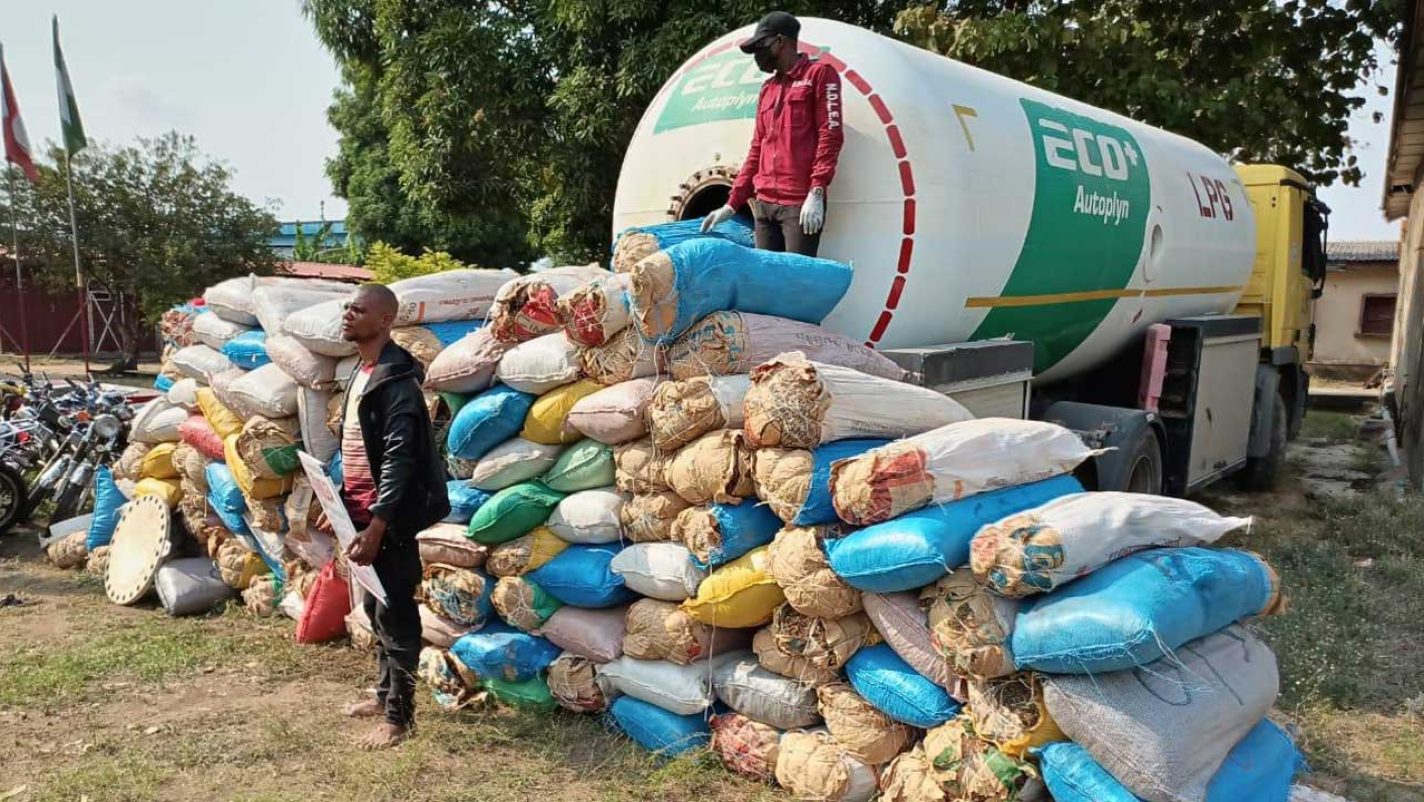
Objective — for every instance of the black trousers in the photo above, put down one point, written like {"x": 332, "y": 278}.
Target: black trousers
{"x": 396, "y": 626}
{"x": 778, "y": 228}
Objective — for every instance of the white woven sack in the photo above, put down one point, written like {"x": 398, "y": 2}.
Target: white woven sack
{"x": 318, "y": 327}
{"x": 273, "y": 303}
{"x": 296, "y": 360}
{"x": 451, "y": 295}
{"x": 684, "y": 690}
{"x": 317, "y": 439}
{"x": 588, "y": 516}
{"x": 200, "y": 362}
{"x": 214, "y": 332}
{"x": 184, "y": 393}
{"x": 157, "y": 422}
{"x": 468, "y": 364}
{"x": 760, "y": 695}
{"x": 659, "y": 571}
{"x": 345, "y": 369}
{"x": 232, "y": 300}
{"x": 1164, "y": 729}
{"x": 540, "y": 365}
{"x": 267, "y": 391}
{"x": 513, "y": 461}
{"x": 1077, "y": 534}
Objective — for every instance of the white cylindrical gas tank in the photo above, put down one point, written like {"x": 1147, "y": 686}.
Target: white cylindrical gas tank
{"x": 971, "y": 206}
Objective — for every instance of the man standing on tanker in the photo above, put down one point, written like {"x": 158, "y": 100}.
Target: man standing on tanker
{"x": 796, "y": 144}
{"x": 393, "y": 485}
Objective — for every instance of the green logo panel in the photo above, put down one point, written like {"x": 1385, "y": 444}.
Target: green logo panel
{"x": 1090, "y": 204}
{"x": 724, "y": 87}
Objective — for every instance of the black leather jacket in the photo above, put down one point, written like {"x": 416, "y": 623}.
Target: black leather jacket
{"x": 400, "y": 444}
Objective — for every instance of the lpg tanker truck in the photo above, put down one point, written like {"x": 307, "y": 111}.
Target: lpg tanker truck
{"x": 1030, "y": 254}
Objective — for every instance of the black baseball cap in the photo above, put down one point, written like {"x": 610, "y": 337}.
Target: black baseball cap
{"x": 777, "y": 23}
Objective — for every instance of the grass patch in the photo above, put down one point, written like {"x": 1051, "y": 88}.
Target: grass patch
{"x": 106, "y": 778}
{"x": 1326, "y": 426}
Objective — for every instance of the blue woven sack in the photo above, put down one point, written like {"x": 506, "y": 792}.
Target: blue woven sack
{"x": 107, "y": 502}
{"x": 743, "y": 527}
{"x": 447, "y": 332}
{"x": 738, "y": 229}
{"x": 1260, "y": 768}
{"x": 464, "y": 501}
{"x": 713, "y": 275}
{"x": 500, "y": 652}
{"x": 223, "y": 491}
{"x": 817, "y": 508}
{"x": 658, "y": 730}
{"x": 580, "y": 576}
{"x": 162, "y": 383}
{"x": 919, "y": 547}
{"x": 1139, "y": 608}
{"x": 888, "y": 683}
{"x": 487, "y": 420}
{"x": 247, "y": 350}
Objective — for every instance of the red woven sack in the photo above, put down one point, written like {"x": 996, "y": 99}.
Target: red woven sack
{"x": 327, "y": 604}
{"x": 198, "y": 433}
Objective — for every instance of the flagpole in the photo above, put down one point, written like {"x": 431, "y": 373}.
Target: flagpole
{"x": 19, "y": 280}
{"x": 78, "y": 271}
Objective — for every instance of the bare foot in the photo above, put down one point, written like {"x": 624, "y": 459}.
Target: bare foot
{"x": 365, "y": 709}
{"x": 384, "y": 736}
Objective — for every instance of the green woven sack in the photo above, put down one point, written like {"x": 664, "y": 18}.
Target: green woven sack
{"x": 530, "y": 694}
{"x": 583, "y": 466}
{"x": 513, "y": 512}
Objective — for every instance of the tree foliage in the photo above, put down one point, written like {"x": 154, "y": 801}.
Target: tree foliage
{"x": 388, "y": 264}
{"x": 1258, "y": 80}
{"x": 157, "y": 220}
{"x": 495, "y": 131}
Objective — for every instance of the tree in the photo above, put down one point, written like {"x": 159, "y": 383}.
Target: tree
{"x": 1257, "y": 80}
{"x": 499, "y": 128}
{"x": 388, "y": 264}
{"x": 158, "y": 222}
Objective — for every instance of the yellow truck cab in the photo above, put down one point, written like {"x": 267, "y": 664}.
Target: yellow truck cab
{"x": 1288, "y": 274}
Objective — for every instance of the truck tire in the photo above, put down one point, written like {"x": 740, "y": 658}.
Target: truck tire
{"x": 1145, "y": 473}
{"x": 1262, "y": 473}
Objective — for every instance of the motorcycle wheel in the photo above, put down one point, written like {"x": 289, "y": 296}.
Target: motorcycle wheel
{"x": 14, "y": 507}
{"x": 68, "y": 504}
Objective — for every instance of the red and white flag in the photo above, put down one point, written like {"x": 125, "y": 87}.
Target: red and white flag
{"x": 17, "y": 142}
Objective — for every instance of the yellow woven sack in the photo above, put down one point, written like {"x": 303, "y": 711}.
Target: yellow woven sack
{"x": 222, "y": 419}
{"x": 250, "y": 485}
{"x": 545, "y": 421}
{"x": 158, "y": 463}
{"x": 740, "y": 594}
{"x": 167, "y": 489}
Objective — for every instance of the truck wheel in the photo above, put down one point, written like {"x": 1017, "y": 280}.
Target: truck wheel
{"x": 1145, "y": 473}
{"x": 1262, "y": 473}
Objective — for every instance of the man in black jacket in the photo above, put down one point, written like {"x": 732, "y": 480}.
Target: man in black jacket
{"x": 393, "y": 485}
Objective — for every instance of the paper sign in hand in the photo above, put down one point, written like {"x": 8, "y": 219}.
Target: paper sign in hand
{"x": 341, "y": 526}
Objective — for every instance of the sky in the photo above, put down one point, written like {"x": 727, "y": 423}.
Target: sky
{"x": 248, "y": 79}
{"x": 251, "y": 83}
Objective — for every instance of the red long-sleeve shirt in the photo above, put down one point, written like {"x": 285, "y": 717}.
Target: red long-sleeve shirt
{"x": 798, "y": 136}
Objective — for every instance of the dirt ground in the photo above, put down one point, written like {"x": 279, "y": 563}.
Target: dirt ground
{"x": 107, "y": 704}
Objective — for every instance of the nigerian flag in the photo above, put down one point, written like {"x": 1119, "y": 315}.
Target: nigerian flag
{"x": 69, "y": 121}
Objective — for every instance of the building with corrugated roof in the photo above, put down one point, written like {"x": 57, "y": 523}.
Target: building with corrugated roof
{"x": 1354, "y": 316}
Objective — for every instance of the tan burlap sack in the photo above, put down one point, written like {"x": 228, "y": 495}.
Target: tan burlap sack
{"x": 98, "y": 562}
{"x": 524, "y": 554}
{"x": 597, "y": 310}
{"x": 660, "y": 630}
{"x": 798, "y": 563}
{"x": 260, "y": 597}
{"x": 713, "y": 468}
{"x": 725, "y": 343}
{"x": 358, "y": 626}
{"x": 574, "y": 684}
{"x": 268, "y": 446}
{"x": 746, "y": 747}
{"x": 969, "y": 626}
{"x": 813, "y": 766}
{"x": 69, "y": 551}
{"x": 631, "y": 248}
{"x": 452, "y": 684}
{"x": 420, "y": 342}
{"x": 856, "y": 725}
{"x": 453, "y": 592}
{"x": 130, "y": 461}
{"x": 972, "y": 770}
{"x": 513, "y": 599}
{"x": 527, "y": 307}
{"x": 649, "y": 517}
{"x": 266, "y": 513}
{"x": 682, "y": 411}
{"x": 827, "y": 643}
{"x": 783, "y": 479}
{"x": 1010, "y": 713}
{"x": 641, "y": 468}
{"x": 625, "y": 357}
{"x": 773, "y": 659}
{"x": 335, "y": 408}
{"x": 911, "y": 778}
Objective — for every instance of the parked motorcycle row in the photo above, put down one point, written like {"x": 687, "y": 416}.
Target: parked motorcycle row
{"x": 53, "y": 436}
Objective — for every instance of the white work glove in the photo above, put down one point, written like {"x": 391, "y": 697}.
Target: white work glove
{"x": 716, "y": 218}
{"x": 813, "y": 211}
